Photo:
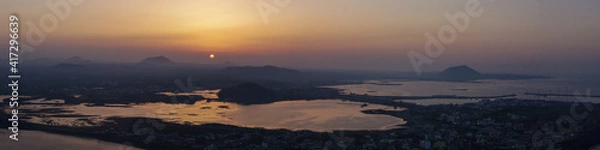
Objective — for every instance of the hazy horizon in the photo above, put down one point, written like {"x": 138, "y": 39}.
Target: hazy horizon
{"x": 530, "y": 37}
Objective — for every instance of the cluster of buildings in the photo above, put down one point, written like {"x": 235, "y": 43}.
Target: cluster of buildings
{"x": 497, "y": 124}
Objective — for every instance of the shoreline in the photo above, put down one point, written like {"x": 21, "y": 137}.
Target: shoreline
{"x": 417, "y": 117}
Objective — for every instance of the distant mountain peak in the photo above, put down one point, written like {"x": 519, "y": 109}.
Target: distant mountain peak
{"x": 462, "y": 72}
{"x": 157, "y": 60}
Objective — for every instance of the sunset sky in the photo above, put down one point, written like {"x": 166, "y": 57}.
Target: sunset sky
{"x": 518, "y": 36}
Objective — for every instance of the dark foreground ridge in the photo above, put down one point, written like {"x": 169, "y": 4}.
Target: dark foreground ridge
{"x": 252, "y": 93}
{"x": 247, "y": 93}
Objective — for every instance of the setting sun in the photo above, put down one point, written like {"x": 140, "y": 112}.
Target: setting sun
{"x": 212, "y": 56}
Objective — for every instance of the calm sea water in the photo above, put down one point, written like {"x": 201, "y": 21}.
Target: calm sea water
{"x": 477, "y": 88}
{"x": 316, "y": 115}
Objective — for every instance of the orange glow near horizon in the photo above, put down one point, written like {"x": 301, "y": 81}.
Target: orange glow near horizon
{"x": 352, "y": 33}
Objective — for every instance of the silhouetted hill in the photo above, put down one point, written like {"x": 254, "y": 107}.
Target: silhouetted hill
{"x": 460, "y": 73}
{"x": 264, "y": 72}
{"x": 247, "y": 93}
{"x": 466, "y": 73}
{"x": 158, "y": 60}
